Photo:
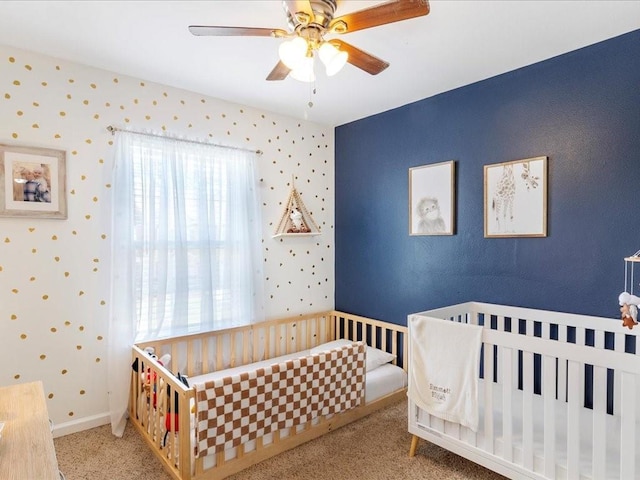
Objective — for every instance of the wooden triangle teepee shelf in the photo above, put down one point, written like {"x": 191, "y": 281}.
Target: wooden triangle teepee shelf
{"x": 296, "y": 219}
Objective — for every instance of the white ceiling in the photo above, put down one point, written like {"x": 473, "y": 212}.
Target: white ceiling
{"x": 458, "y": 43}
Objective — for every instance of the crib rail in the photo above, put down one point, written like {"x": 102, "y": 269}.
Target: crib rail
{"x": 579, "y": 374}
{"x": 161, "y": 406}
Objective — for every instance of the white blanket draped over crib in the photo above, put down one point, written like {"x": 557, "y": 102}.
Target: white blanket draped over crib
{"x": 444, "y": 362}
{"x": 240, "y": 408}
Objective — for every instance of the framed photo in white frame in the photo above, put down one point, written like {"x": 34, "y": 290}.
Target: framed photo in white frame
{"x": 32, "y": 182}
{"x": 515, "y": 198}
{"x": 432, "y": 199}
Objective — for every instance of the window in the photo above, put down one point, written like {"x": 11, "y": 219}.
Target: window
{"x": 194, "y": 234}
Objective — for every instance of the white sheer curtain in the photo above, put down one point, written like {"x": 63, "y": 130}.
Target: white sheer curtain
{"x": 186, "y": 238}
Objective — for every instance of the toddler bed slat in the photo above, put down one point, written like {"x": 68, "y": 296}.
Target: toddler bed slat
{"x": 163, "y": 411}
{"x": 548, "y": 382}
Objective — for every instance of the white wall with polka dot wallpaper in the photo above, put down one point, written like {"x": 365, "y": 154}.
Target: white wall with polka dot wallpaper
{"x": 54, "y": 274}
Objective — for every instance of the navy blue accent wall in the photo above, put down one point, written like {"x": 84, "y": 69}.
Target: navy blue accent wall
{"x": 581, "y": 109}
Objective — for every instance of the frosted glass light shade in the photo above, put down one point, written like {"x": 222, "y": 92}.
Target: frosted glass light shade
{"x": 304, "y": 71}
{"x": 332, "y": 58}
{"x": 293, "y": 52}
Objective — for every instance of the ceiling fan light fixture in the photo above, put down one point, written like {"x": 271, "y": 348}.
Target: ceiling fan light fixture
{"x": 332, "y": 58}
{"x": 304, "y": 71}
{"x": 293, "y": 52}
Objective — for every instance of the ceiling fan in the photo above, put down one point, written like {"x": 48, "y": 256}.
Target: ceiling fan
{"x": 309, "y": 21}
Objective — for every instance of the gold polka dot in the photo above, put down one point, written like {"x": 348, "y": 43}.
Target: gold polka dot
{"x": 50, "y": 395}
{"x": 7, "y": 96}
{"x": 102, "y": 302}
{"x": 57, "y": 135}
{"x": 64, "y": 371}
{"x": 68, "y": 96}
{"x": 45, "y": 297}
{"x": 103, "y": 236}
{"x": 83, "y": 177}
{"x": 33, "y": 250}
{"x": 74, "y": 232}
{"x": 14, "y": 316}
{"x": 16, "y": 82}
{"x": 80, "y": 293}
{"x": 54, "y": 329}
{"x": 88, "y": 140}
{"x": 62, "y": 114}
{"x": 78, "y": 347}
{"x": 81, "y": 328}
{"x": 115, "y": 80}
{"x": 12, "y": 60}
{"x": 54, "y": 237}
{"x": 28, "y": 67}
{"x": 32, "y": 279}
{"x": 44, "y": 84}
{"x": 66, "y": 274}
{"x": 95, "y": 269}
{"x": 98, "y": 360}
{"x": 99, "y": 337}
{"x": 36, "y": 104}
{"x": 35, "y": 125}
{"x": 19, "y": 113}
{"x": 82, "y": 392}
{"x": 87, "y": 217}
{"x": 57, "y": 259}
{"x": 74, "y": 152}
{"x": 96, "y": 260}
{"x": 14, "y": 135}
{"x": 86, "y": 102}
{"x": 7, "y": 240}
{"x": 93, "y": 85}
{"x": 14, "y": 290}
{"x": 23, "y": 336}
{"x": 95, "y": 199}
{"x": 71, "y": 80}
{"x": 31, "y": 229}
{"x": 73, "y": 191}
{"x": 43, "y": 356}
{"x": 101, "y": 160}
{"x": 70, "y": 414}
{"x": 16, "y": 376}
{"x": 96, "y": 116}
{"x": 67, "y": 323}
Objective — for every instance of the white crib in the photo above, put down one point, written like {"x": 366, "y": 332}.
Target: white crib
{"x": 558, "y": 396}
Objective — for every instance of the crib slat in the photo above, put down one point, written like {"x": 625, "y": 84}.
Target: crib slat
{"x": 573, "y": 421}
{"x": 562, "y": 366}
{"x": 548, "y": 392}
{"x": 527, "y": 409}
{"x": 507, "y": 410}
{"x": 627, "y": 427}
{"x": 488, "y": 398}
{"x": 618, "y": 347}
{"x": 599, "y": 419}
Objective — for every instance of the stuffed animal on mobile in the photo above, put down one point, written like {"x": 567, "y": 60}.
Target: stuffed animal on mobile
{"x": 629, "y": 309}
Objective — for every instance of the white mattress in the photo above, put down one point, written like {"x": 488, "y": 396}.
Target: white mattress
{"x": 379, "y": 382}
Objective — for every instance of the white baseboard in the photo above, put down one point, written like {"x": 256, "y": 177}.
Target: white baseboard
{"x": 81, "y": 424}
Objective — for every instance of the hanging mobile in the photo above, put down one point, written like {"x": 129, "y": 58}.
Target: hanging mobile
{"x": 627, "y": 300}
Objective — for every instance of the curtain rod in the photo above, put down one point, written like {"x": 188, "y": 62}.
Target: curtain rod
{"x": 113, "y": 131}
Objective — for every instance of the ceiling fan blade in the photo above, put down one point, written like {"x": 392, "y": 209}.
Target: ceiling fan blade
{"x": 360, "y": 58}
{"x": 279, "y": 72}
{"x": 297, "y": 6}
{"x": 389, "y": 12}
{"x": 204, "y": 30}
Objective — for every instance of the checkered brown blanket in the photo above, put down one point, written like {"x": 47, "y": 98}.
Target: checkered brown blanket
{"x": 240, "y": 408}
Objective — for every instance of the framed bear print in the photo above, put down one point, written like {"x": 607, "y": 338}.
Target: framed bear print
{"x": 515, "y": 198}
{"x": 432, "y": 199}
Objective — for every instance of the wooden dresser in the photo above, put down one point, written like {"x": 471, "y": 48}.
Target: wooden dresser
{"x": 26, "y": 447}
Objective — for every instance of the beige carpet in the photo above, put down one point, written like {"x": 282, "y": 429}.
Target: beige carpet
{"x": 375, "y": 447}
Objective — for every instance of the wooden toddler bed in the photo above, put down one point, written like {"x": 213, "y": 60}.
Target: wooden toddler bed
{"x": 557, "y": 394}
{"x": 255, "y": 391}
